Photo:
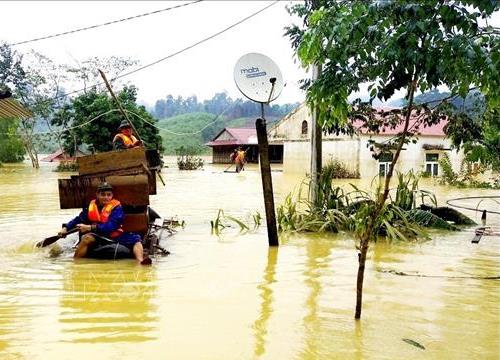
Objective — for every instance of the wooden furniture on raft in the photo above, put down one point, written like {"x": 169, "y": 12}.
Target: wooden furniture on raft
{"x": 131, "y": 172}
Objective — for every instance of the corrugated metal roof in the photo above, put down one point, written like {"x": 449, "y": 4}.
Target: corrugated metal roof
{"x": 10, "y": 108}
{"x": 240, "y": 136}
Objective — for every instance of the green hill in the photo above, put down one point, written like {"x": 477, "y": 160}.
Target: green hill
{"x": 193, "y": 130}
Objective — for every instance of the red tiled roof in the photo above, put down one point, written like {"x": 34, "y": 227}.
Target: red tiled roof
{"x": 58, "y": 155}
{"x": 434, "y": 130}
{"x": 240, "y": 136}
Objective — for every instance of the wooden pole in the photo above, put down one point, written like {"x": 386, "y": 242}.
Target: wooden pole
{"x": 267, "y": 183}
{"x": 119, "y": 105}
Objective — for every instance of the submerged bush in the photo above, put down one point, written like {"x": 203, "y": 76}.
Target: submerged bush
{"x": 339, "y": 170}
{"x": 186, "y": 159}
{"x": 338, "y": 209}
{"x": 65, "y": 166}
{"x": 466, "y": 178}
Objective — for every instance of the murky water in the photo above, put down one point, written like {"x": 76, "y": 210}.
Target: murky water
{"x": 230, "y": 297}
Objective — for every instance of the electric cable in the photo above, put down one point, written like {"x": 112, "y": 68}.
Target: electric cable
{"x": 104, "y": 24}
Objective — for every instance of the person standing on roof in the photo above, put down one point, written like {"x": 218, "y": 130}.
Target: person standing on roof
{"x": 102, "y": 219}
{"x": 124, "y": 139}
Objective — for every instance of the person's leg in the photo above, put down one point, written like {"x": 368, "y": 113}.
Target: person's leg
{"x": 83, "y": 246}
{"x": 138, "y": 251}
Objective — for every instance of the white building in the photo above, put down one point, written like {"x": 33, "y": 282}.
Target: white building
{"x": 294, "y": 133}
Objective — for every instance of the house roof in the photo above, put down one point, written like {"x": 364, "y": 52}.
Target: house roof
{"x": 435, "y": 130}
{"x": 10, "y": 108}
{"x": 59, "y": 153}
{"x": 237, "y": 136}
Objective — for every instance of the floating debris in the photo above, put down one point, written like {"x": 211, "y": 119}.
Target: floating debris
{"x": 414, "y": 343}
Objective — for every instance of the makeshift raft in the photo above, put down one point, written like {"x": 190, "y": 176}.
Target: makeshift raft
{"x": 132, "y": 173}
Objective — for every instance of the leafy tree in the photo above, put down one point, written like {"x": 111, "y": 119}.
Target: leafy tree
{"x": 11, "y": 145}
{"x": 392, "y": 46}
{"x": 99, "y": 133}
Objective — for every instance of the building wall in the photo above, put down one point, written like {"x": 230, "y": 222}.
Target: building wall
{"x": 353, "y": 152}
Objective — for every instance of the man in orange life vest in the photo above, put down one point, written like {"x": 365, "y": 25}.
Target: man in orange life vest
{"x": 124, "y": 139}
{"x": 104, "y": 217}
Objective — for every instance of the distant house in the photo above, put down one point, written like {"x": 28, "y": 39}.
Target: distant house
{"x": 224, "y": 143}
{"x": 293, "y": 132}
{"x": 60, "y": 156}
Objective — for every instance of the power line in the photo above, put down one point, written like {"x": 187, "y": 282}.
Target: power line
{"x": 175, "y": 53}
{"x": 104, "y": 24}
{"x": 199, "y": 42}
{"x": 184, "y": 134}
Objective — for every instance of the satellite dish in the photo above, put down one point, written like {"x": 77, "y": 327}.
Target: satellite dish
{"x": 258, "y": 78}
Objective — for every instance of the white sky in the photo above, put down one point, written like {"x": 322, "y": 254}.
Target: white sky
{"x": 202, "y": 71}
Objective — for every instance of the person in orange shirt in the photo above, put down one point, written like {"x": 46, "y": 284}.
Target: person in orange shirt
{"x": 124, "y": 139}
{"x": 240, "y": 159}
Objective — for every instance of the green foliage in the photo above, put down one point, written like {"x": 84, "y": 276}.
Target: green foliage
{"x": 99, "y": 134}
{"x": 467, "y": 175}
{"x": 428, "y": 219}
{"x": 193, "y": 130}
{"x": 339, "y": 170}
{"x": 11, "y": 145}
{"x": 338, "y": 209}
{"x": 223, "y": 221}
{"x": 67, "y": 166}
{"x": 186, "y": 159}
{"x": 220, "y": 102}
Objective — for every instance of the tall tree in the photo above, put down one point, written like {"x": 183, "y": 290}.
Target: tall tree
{"x": 99, "y": 108}
{"x": 11, "y": 145}
{"x": 392, "y": 46}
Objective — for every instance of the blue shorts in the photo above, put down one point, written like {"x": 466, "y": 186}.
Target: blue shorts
{"x": 128, "y": 239}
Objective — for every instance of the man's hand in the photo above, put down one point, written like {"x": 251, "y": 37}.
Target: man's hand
{"x": 84, "y": 228}
{"x": 63, "y": 232}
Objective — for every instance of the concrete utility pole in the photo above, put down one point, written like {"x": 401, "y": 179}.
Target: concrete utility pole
{"x": 316, "y": 145}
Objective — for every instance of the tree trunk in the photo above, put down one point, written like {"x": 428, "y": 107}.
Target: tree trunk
{"x": 381, "y": 199}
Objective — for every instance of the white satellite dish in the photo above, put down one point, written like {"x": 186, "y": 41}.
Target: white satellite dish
{"x": 258, "y": 78}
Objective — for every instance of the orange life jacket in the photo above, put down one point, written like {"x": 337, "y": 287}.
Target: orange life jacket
{"x": 128, "y": 141}
{"x": 103, "y": 216}
{"x": 240, "y": 157}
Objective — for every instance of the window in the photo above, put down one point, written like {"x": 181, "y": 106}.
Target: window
{"x": 432, "y": 164}
{"x": 304, "y": 127}
{"x": 384, "y": 163}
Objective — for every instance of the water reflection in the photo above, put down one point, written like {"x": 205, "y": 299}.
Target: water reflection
{"x": 266, "y": 307}
{"x": 107, "y": 302}
{"x": 316, "y": 344}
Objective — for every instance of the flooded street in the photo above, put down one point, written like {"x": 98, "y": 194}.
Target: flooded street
{"x": 231, "y": 297}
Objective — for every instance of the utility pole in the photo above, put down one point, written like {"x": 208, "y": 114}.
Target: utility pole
{"x": 316, "y": 145}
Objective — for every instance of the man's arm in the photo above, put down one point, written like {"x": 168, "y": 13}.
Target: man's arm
{"x": 80, "y": 219}
{"x": 114, "y": 222}
{"x": 118, "y": 144}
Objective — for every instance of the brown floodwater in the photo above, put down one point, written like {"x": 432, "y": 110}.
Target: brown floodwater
{"x": 231, "y": 297}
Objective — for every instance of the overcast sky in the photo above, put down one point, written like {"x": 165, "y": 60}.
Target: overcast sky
{"x": 202, "y": 71}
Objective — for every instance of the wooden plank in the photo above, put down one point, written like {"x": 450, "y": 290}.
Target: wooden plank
{"x": 130, "y": 190}
{"x": 112, "y": 160}
{"x": 136, "y": 223}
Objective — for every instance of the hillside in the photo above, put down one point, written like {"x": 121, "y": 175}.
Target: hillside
{"x": 191, "y": 130}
